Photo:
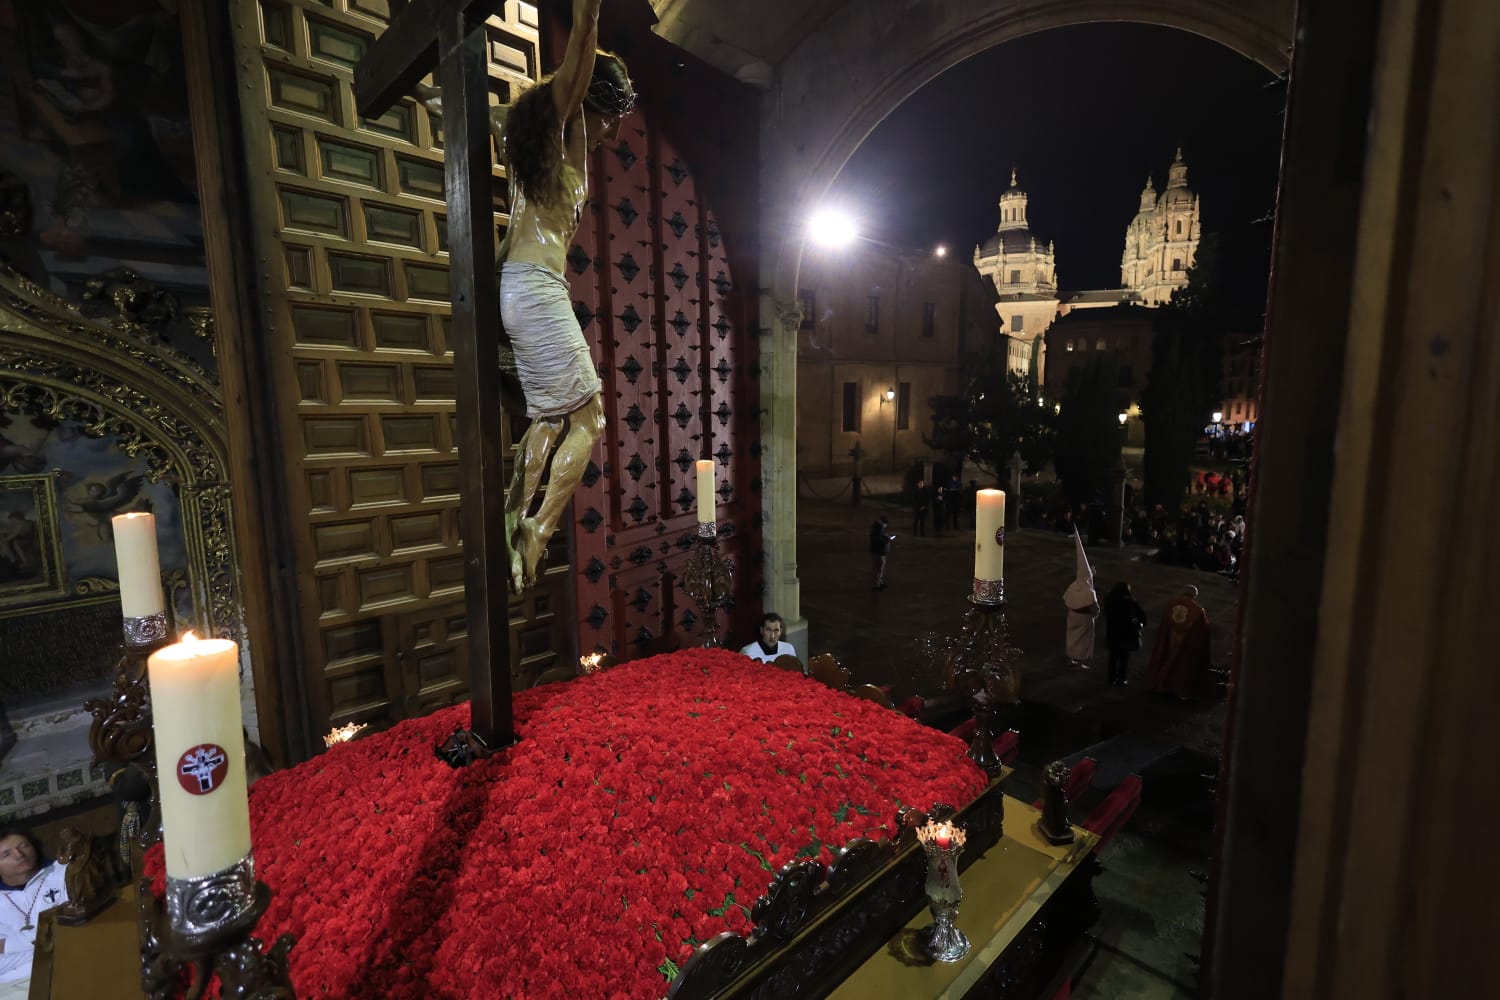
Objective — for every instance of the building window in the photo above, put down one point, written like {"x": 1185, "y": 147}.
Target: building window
{"x": 1015, "y": 277}
{"x": 929, "y": 318}
{"x": 809, "y": 299}
{"x": 851, "y": 406}
{"x": 1177, "y": 263}
{"x": 872, "y": 315}
{"x": 1100, "y": 346}
{"x": 1179, "y": 227}
{"x": 1068, "y": 346}
{"x": 903, "y": 406}
{"x": 1017, "y": 324}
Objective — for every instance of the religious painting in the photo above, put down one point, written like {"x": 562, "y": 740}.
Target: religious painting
{"x": 31, "y": 565}
{"x": 96, "y": 153}
{"x": 92, "y": 479}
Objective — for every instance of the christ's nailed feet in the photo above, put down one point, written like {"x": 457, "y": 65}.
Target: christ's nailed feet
{"x": 527, "y": 547}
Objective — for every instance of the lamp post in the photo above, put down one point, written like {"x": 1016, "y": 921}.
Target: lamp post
{"x": 887, "y": 397}
{"x": 857, "y": 453}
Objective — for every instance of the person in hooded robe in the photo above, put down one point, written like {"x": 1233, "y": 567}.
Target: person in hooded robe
{"x": 1180, "y": 657}
{"x": 1083, "y": 609}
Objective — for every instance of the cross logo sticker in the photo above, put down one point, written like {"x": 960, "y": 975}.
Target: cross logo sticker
{"x": 202, "y": 769}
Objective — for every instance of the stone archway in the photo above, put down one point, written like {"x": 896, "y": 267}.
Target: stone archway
{"x": 830, "y": 92}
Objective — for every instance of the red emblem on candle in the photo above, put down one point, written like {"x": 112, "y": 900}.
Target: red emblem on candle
{"x": 1000, "y": 535}
{"x": 202, "y": 769}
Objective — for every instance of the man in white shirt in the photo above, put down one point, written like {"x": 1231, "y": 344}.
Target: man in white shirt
{"x": 769, "y": 645}
{"x": 28, "y": 885}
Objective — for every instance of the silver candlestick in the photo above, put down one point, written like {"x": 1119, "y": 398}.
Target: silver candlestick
{"x": 943, "y": 842}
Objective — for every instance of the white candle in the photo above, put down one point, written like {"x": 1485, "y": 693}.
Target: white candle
{"x": 989, "y": 536}
{"x": 200, "y": 755}
{"x": 139, "y": 566}
{"x": 707, "y": 504}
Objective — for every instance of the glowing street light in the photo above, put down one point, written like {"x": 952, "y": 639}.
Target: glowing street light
{"x": 1123, "y": 417}
{"x": 1218, "y": 416}
{"x": 940, "y": 251}
{"x": 832, "y": 227}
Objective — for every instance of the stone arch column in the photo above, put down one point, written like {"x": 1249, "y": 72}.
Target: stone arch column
{"x": 826, "y": 98}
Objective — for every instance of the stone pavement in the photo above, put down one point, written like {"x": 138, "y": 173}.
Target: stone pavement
{"x": 1145, "y": 943}
{"x": 874, "y": 633}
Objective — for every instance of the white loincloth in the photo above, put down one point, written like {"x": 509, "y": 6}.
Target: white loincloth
{"x": 552, "y": 358}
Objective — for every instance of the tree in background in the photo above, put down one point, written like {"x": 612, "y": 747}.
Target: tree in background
{"x": 997, "y": 413}
{"x": 1183, "y": 387}
{"x": 1088, "y": 430}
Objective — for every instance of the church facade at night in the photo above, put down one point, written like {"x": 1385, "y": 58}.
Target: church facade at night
{"x": 1161, "y": 243}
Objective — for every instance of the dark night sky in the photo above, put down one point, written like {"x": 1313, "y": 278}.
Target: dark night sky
{"x": 1084, "y": 113}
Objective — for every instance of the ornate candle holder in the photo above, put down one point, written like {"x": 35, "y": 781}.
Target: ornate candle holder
{"x": 943, "y": 842}
{"x": 121, "y": 731}
{"x": 206, "y": 931}
{"x": 981, "y": 666}
{"x": 708, "y": 580}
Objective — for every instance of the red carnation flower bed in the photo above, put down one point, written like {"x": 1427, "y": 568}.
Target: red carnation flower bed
{"x": 643, "y": 811}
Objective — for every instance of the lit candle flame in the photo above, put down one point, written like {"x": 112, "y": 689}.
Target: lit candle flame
{"x": 345, "y": 733}
{"x": 188, "y": 636}
{"x": 589, "y": 663}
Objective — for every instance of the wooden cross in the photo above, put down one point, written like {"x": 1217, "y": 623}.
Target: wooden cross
{"x": 449, "y": 34}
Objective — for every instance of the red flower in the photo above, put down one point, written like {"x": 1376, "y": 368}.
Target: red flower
{"x": 643, "y": 810}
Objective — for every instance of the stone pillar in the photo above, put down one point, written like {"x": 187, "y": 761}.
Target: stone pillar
{"x": 778, "y": 462}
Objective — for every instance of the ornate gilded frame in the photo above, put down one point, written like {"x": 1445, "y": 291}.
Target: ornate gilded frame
{"x": 116, "y": 374}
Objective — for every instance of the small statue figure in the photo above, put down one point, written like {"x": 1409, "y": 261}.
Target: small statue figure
{"x": 87, "y": 879}
{"x": 1054, "y": 824}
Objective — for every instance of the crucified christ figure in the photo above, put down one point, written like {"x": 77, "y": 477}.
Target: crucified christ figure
{"x": 544, "y": 140}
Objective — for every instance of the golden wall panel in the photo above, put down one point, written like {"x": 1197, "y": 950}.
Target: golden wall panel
{"x": 370, "y": 383}
{"x": 371, "y": 487}
{"x": 337, "y": 542}
{"x": 349, "y": 224}
{"x": 350, "y": 162}
{"x": 416, "y": 531}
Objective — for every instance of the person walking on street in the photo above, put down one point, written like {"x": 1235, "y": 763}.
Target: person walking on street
{"x": 1123, "y": 621}
{"x": 880, "y": 548}
{"x": 921, "y": 500}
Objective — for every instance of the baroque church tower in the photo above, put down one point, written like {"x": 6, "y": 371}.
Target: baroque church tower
{"x": 1162, "y": 240}
{"x": 1024, "y": 273}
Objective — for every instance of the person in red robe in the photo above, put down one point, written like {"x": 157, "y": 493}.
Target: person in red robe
{"x": 1180, "y": 656}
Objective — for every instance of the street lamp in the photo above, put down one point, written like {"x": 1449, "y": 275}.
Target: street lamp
{"x": 1123, "y": 417}
{"x": 1218, "y": 416}
{"x": 890, "y": 394}
{"x": 832, "y": 227}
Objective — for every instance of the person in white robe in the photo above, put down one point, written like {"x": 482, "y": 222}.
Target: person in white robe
{"x": 1083, "y": 609}
{"x": 28, "y": 885}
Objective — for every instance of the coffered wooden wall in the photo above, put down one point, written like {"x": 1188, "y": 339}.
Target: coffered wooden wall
{"x": 351, "y": 292}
